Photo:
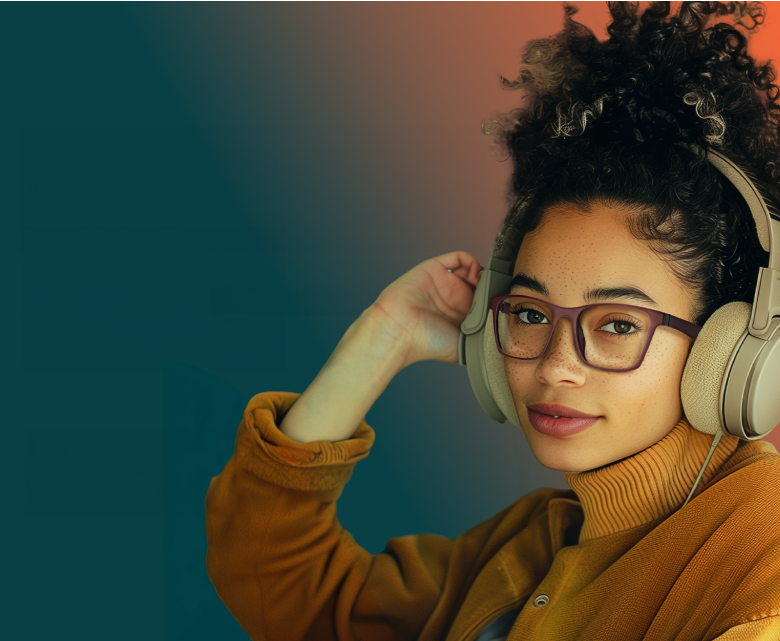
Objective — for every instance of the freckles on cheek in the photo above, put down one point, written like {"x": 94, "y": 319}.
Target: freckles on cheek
{"x": 520, "y": 377}
{"x": 517, "y": 370}
{"x": 632, "y": 392}
{"x": 661, "y": 371}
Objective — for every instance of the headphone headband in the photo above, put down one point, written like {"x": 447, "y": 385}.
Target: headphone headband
{"x": 764, "y": 318}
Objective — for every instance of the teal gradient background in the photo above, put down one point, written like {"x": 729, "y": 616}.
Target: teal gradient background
{"x": 176, "y": 177}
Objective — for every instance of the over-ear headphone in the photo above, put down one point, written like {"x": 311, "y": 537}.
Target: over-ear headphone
{"x": 731, "y": 381}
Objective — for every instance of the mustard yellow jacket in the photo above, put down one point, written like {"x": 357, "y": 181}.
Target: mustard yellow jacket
{"x": 609, "y": 559}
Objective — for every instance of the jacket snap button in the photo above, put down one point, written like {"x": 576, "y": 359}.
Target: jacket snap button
{"x": 541, "y": 600}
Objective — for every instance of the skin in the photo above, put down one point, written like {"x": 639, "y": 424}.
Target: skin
{"x": 571, "y": 251}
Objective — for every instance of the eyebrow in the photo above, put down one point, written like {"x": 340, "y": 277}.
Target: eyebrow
{"x": 591, "y": 295}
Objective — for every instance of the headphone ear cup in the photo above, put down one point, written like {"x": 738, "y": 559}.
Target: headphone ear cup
{"x": 496, "y": 374}
{"x": 475, "y": 363}
{"x": 707, "y": 365}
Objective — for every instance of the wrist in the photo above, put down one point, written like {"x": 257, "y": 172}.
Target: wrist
{"x": 382, "y": 338}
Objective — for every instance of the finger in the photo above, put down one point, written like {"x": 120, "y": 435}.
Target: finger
{"x": 470, "y": 274}
{"x": 464, "y": 273}
{"x": 475, "y": 273}
{"x": 456, "y": 260}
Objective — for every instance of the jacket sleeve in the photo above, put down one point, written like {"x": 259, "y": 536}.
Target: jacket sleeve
{"x": 766, "y": 629}
{"x": 281, "y": 562}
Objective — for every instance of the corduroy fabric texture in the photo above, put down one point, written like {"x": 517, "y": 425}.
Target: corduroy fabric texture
{"x": 613, "y": 555}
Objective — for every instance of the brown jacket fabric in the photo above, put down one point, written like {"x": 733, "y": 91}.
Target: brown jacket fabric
{"x": 608, "y": 559}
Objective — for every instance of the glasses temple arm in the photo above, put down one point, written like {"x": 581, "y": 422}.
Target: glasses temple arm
{"x": 681, "y": 325}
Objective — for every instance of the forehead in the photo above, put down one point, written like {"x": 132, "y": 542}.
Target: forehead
{"x": 573, "y": 250}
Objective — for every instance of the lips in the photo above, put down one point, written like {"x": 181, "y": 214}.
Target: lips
{"x": 550, "y": 426}
{"x": 555, "y": 409}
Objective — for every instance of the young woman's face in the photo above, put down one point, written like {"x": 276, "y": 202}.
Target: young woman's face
{"x": 569, "y": 254}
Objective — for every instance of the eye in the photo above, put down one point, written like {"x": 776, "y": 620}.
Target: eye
{"x": 530, "y": 316}
{"x": 624, "y": 327}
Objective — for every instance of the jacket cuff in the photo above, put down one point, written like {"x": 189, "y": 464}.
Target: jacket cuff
{"x": 266, "y": 452}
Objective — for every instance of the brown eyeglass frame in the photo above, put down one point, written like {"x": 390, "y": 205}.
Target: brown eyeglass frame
{"x": 573, "y": 314}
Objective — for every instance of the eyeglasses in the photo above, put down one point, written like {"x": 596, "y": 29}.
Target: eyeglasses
{"x": 608, "y": 336}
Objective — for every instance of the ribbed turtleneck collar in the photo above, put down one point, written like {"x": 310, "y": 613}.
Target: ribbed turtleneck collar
{"x": 651, "y": 484}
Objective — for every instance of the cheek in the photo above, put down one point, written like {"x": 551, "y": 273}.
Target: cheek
{"x": 520, "y": 375}
{"x": 666, "y": 357}
{"x": 658, "y": 378}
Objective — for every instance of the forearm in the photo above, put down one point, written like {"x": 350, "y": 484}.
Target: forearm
{"x": 364, "y": 362}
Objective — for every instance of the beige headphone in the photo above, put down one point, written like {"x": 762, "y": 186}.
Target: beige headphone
{"x": 731, "y": 381}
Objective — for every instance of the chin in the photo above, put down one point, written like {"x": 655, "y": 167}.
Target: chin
{"x": 554, "y": 461}
{"x": 560, "y": 468}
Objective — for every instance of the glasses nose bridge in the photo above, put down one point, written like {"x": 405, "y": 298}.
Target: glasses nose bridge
{"x": 558, "y": 314}
{"x": 565, "y": 312}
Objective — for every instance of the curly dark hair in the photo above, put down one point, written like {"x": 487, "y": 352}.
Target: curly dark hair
{"x": 601, "y": 125}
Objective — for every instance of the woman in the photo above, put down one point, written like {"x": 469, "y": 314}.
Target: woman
{"x": 607, "y": 208}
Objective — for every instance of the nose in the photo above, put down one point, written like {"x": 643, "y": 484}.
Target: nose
{"x": 561, "y": 364}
